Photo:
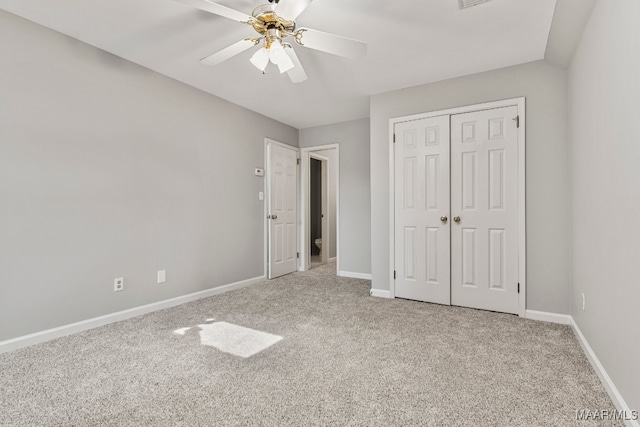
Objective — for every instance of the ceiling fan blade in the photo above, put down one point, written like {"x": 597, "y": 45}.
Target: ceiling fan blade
{"x": 291, "y": 9}
{"x": 297, "y": 73}
{"x": 218, "y": 9}
{"x": 331, "y": 43}
{"x": 229, "y": 51}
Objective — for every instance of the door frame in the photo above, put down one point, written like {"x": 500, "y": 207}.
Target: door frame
{"x": 324, "y": 232}
{"x": 267, "y": 195}
{"x": 522, "y": 244}
{"x": 305, "y": 155}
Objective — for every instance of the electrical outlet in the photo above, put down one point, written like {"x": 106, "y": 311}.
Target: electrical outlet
{"x": 584, "y": 302}
{"x": 118, "y": 284}
{"x": 162, "y": 276}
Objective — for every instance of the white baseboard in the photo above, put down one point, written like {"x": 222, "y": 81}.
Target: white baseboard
{"x": 605, "y": 379}
{"x": 563, "y": 319}
{"x": 380, "y": 293}
{"x": 332, "y": 259}
{"x": 61, "y": 331}
{"x": 354, "y": 275}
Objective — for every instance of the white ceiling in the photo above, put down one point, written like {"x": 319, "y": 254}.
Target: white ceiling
{"x": 411, "y": 42}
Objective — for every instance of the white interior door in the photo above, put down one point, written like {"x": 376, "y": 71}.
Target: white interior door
{"x": 422, "y": 239}
{"x": 282, "y": 211}
{"x": 484, "y": 207}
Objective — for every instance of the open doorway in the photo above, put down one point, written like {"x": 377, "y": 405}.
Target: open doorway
{"x": 319, "y": 214}
{"x": 319, "y": 206}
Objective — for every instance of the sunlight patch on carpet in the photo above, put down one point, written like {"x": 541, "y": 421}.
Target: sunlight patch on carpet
{"x": 181, "y": 331}
{"x": 236, "y": 340}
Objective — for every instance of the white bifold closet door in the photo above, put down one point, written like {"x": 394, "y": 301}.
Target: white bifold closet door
{"x": 456, "y": 210}
{"x": 484, "y": 189}
{"x": 421, "y": 206}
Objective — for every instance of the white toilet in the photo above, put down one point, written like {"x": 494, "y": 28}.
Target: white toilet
{"x": 318, "y": 243}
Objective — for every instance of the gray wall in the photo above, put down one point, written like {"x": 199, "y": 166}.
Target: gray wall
{"x": 355, "y": 202}
{"x": 332, "y": 155}
{"x": 547, "y": 177}
{"x": 604, "y": 97}
{"x": 108, "y": 169}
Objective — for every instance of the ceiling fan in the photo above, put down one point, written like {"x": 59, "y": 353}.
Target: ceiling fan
{"x": 274, "y": 23}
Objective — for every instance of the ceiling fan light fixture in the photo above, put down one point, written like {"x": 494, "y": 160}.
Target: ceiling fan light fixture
{"x": 279, "y": 57}
{"x": 260, "y": 59}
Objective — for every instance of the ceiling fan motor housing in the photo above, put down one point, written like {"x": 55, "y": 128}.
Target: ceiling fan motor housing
{"x": 266, "y": 19}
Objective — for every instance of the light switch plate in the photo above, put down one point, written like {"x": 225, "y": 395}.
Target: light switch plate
{"x": 259, "y": 172}
{"x": 162, "y": 276}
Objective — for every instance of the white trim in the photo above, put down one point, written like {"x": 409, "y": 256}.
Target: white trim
{"x": 605, "y": 379}
{"x": 563, "y": 319}
{"x": 392, "y": 210}
{"x": 332, "y": 259}
{"x": 303, "y": 208}
{"x": 353, "y": 275}
{"x": 267, "y": 196}
{"x": 522, "y": 209}
{"x": 282, "y": 144}
{"x": 459, "y": 110}
{"x": 380, "y": 293}
{"x": 522, "y": 245}
{"x": 305, "y": 153}
{"x": 61, "y": 331}
{"x": 318, "y": 156}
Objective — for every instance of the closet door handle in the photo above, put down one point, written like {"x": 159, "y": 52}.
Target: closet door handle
{"x": 456, "y": 218}
{"x": 444, "y": 219}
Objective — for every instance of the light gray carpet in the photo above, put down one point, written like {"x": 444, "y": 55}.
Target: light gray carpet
{"x": 345, "y": 359}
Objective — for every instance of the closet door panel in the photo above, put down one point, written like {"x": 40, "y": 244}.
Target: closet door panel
{"x": 422, "y": 201}
{"x": 484, "y": 207}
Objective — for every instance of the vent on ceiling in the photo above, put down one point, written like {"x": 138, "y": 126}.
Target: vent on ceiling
{"x": 465, "y": 4}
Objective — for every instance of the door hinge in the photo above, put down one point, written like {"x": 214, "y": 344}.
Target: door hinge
{"x": 517, "y": 120}
{"x": 518, "y": 287}
{"x": 297, "y": 161}
{"x": 394, "y": 138}
{"x": 297, "y": 254}
{"x": 394, "y": 275}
